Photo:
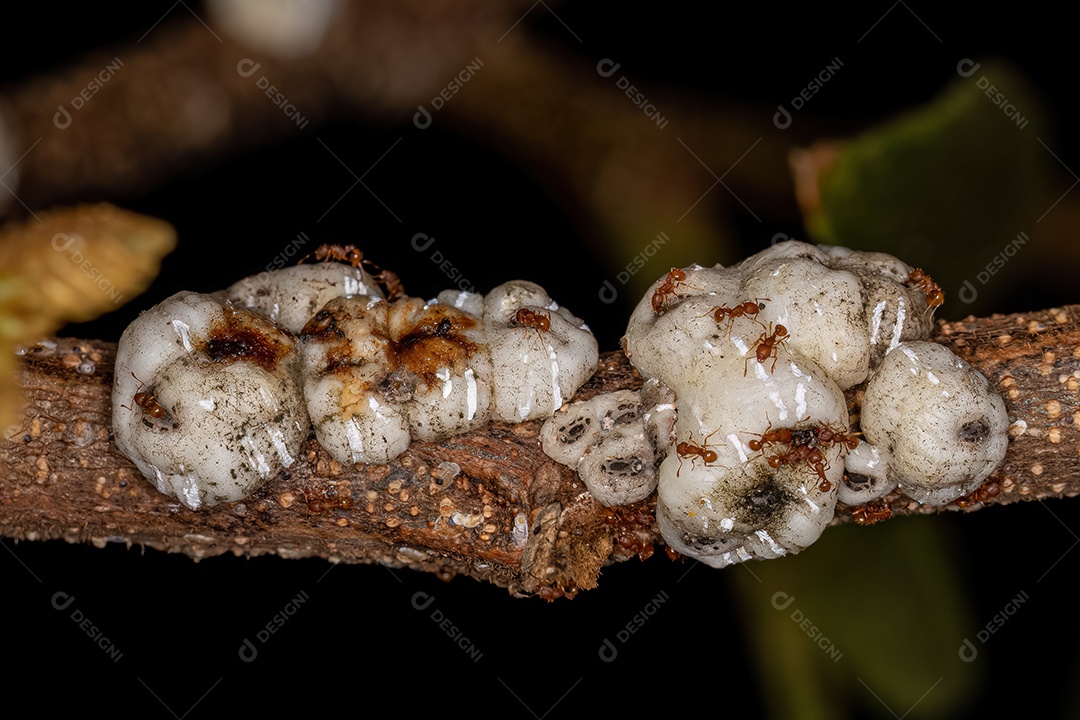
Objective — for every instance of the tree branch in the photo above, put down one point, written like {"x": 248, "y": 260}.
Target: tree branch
{"x": 489, "y": 504}
{"x": 185, "y": 96}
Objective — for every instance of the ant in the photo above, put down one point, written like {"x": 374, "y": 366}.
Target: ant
{"x": 342, "y": 253}
{"x": 551, "y": 592}
{"x": 628, "y": 541}
{"x": 666, "y": 289}
{"x": 804, "y": 453}
{"x": 871, "y": 513}
{"x": 321, "y": 322}
{"x": 806, "y": 445}
{"x": 392, "y": 283}
{"x": 531, "y": 318}
{"x": 748, "y": 309}
{"x": 689, "y": 450}
{"x": 524, "y": 317}
{"x": 828, "y": 437}
{"x": 981, "y": 494}
{"x": 779, "y": 435}
{"x": 934, "y": 294}
{"x": 146, "y": 400}
{"x": 354, "y": 256}
{"x": 813, "y": 435}
{"x": 766, "y": 345}
{"x": 330, "y": 501}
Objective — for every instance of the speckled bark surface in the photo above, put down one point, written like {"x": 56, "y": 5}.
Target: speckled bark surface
{"x": 489, "y": 504}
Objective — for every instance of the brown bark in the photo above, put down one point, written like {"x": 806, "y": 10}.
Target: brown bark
{"x": 62, "y": 477}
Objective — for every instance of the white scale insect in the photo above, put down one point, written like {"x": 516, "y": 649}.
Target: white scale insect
{"x": 371, "y": 375}
{"x": 227, "y": 414}
{"x": 848, "y": 317}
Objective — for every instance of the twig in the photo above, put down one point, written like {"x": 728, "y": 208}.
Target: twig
{"x": 489, "y": 504}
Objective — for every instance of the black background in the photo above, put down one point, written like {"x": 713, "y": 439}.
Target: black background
{"x": 358, "y": 638}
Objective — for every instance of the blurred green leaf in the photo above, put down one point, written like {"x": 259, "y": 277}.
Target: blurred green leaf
{"x": 946, "y": 186}
{"x": 872, "y": 613}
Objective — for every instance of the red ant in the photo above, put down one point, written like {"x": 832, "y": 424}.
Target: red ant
{"x": 766, "y": 345}
{"x": 871, "y": 513}
{"x": 779, "y": 435}
{"x": 630, "y": 542}
{"x": 530, "y": 318}
{"x": 342, "y": 253}
{"x": 550, "y": 593}
{"x": 321, "y": 323}
{"x": 355, "y": 257}
{"x": 828, "y": 437}
{"x": 666, "y": 289}
{"x": 146, "y": 400}
{"x": 748, "y": 309}
{"x": 392, "y": 283}
{"x": 806, "y": 445}
{"x": 689, "y": 450}
{"x": 934, "y": 294}
{"x": 804, "y": 453}
{"x": 981, "y": 494}
{"x": 524, "y": 317}
{"x": 330, "y": 500}
{"x": 813, "y": 435}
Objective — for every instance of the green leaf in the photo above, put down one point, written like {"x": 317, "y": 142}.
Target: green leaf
{"x": 869, "y": 616}
{"x": 946, "y": 186}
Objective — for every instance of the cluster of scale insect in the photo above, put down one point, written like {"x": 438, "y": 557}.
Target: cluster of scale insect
{"x": 380, "y": 368}
{"x": 756, "y": 489}
{"x": 350, "y": 254}
{"x": 806, "y": 442}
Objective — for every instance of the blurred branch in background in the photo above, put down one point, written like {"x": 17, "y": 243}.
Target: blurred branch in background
{"x": 639, "y": 169}
{"x": 182, "y": 97}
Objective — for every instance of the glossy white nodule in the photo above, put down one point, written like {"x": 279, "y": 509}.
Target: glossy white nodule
{"x": 206, "y": 401}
